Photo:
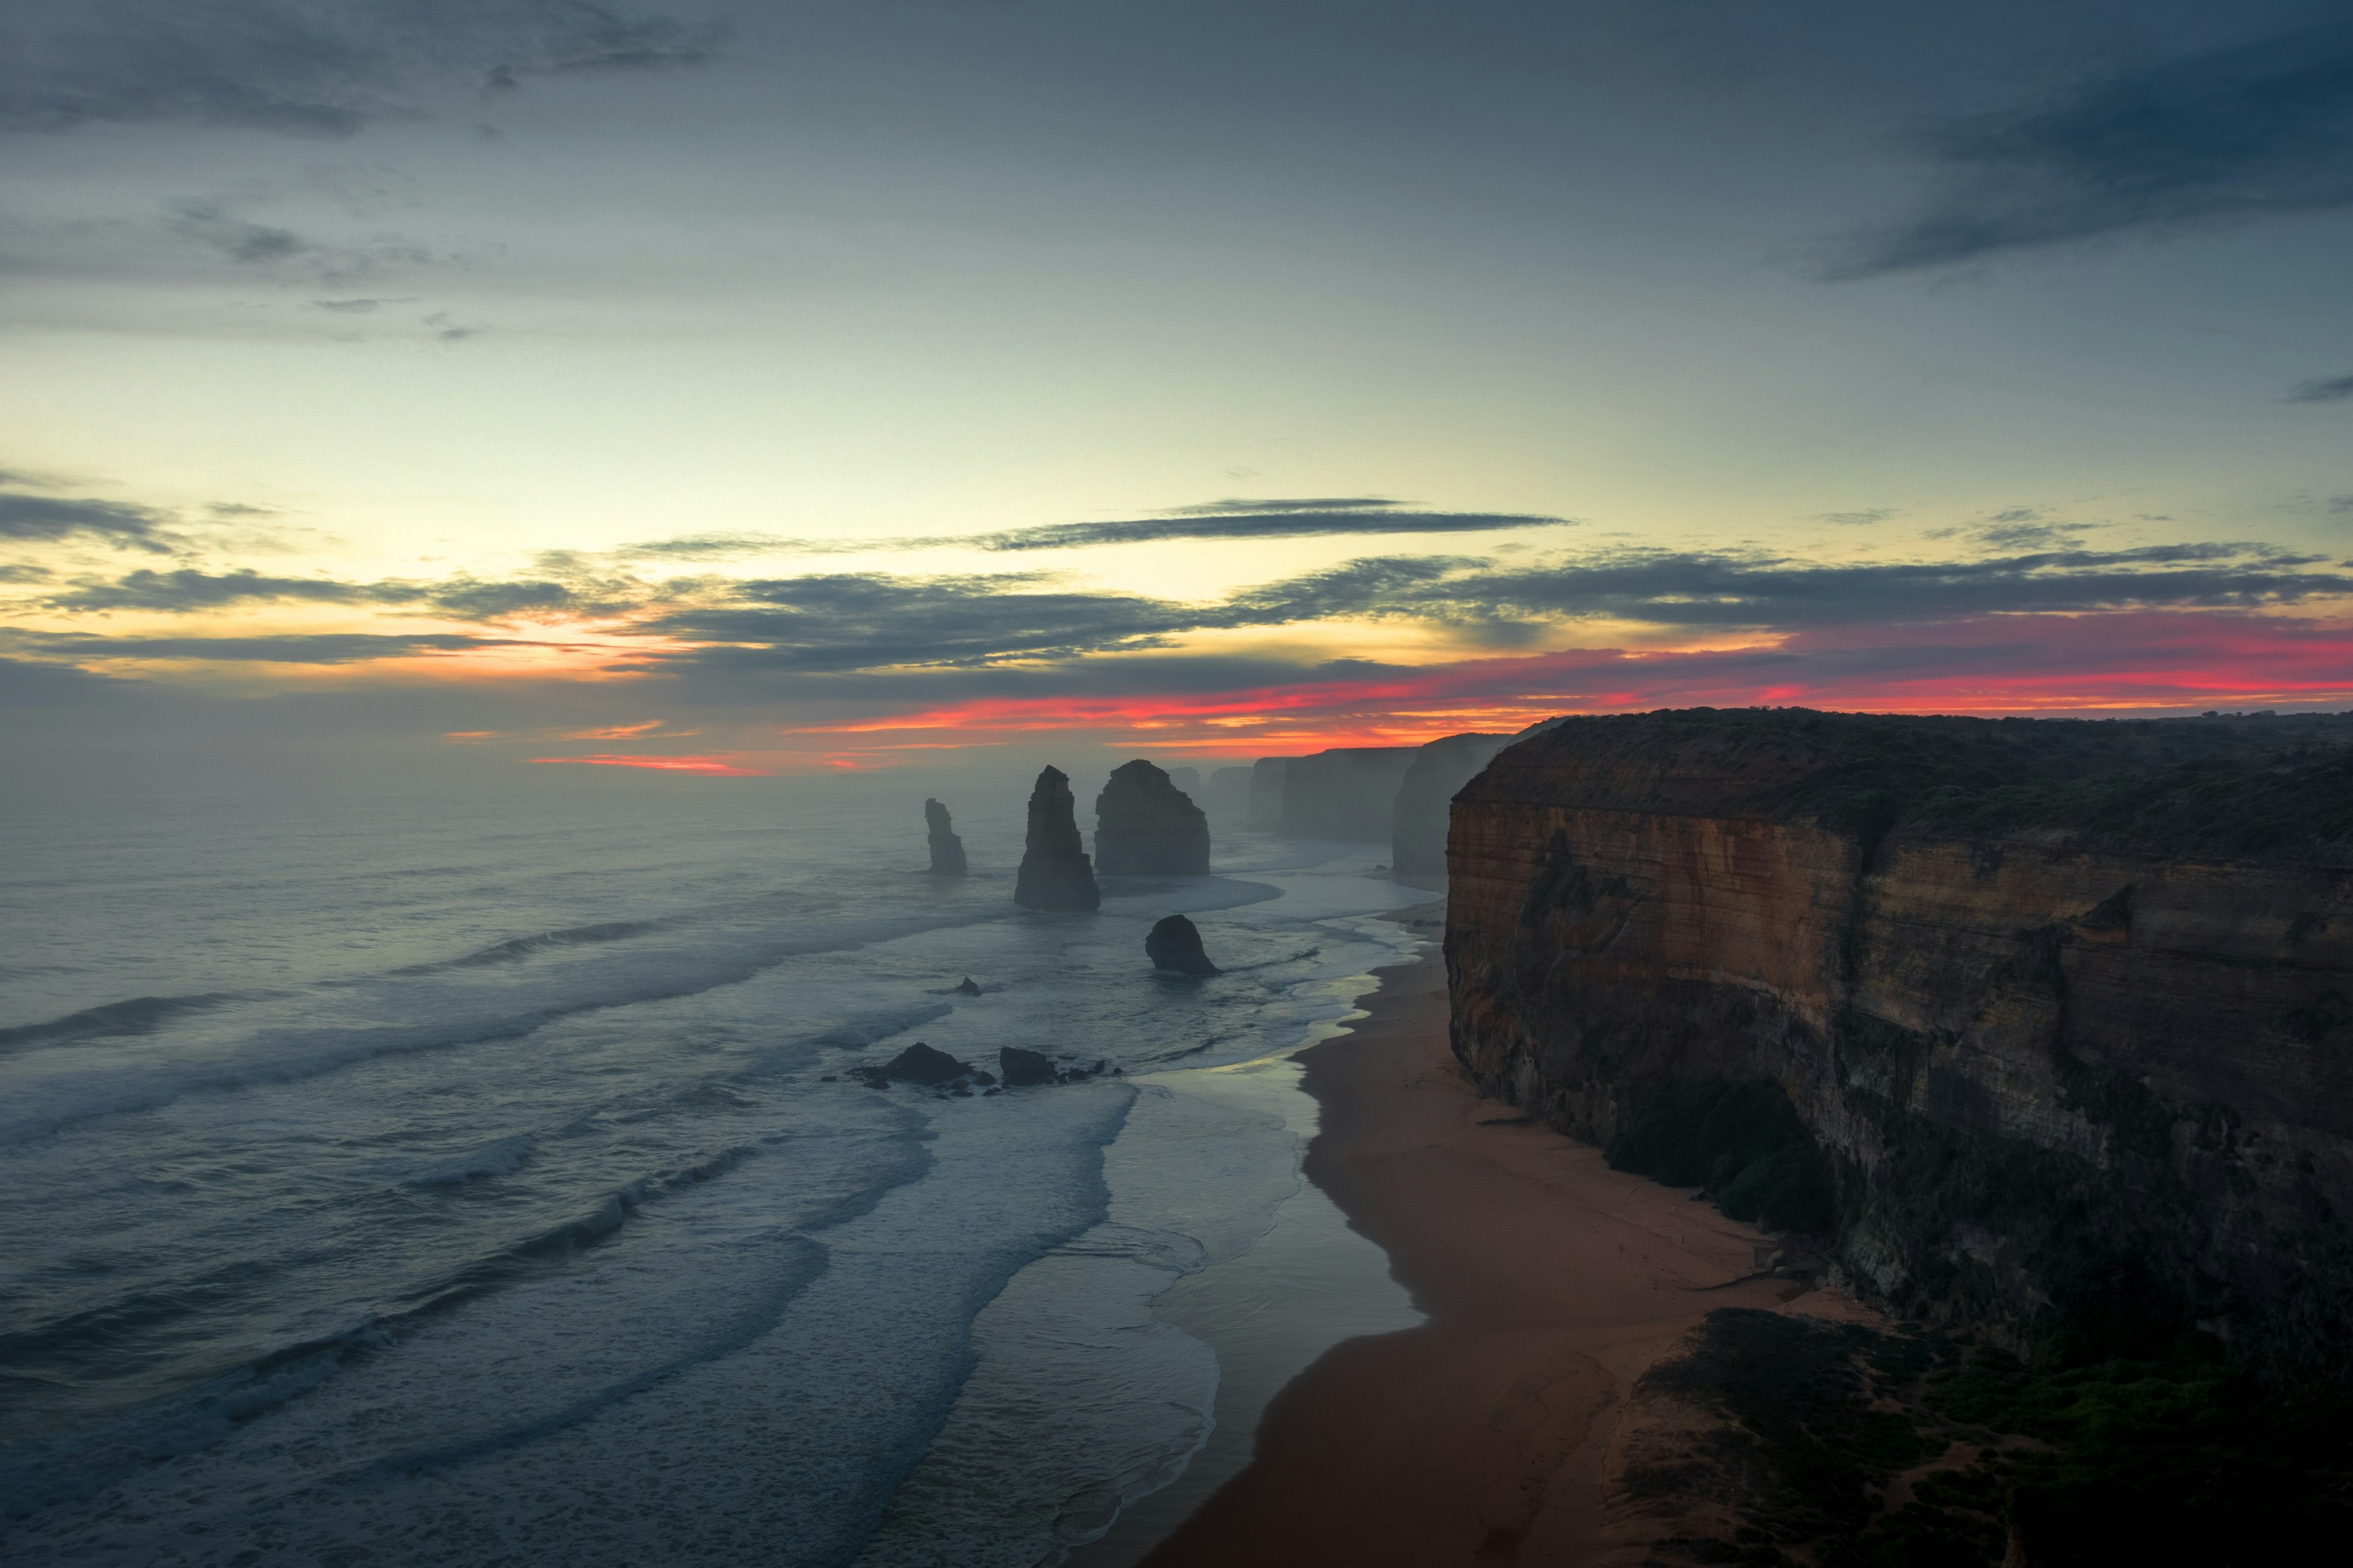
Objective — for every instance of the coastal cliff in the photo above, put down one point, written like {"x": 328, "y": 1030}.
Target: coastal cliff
{"x": 1419, "y": 814}
{"x": 1347, "y": 792}
{"x": 2051, "y": 1014}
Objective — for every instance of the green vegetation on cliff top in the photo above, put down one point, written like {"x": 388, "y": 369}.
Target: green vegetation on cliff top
{"x": 2173, "y": 1458}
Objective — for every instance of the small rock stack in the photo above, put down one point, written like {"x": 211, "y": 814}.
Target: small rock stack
{"x": 1145, "y": 826}
{"x": 1055, "y": 871}
{"x": 1175, "y": 945}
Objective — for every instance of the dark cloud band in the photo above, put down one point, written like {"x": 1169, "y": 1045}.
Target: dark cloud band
{"x": 2221, "y": 135}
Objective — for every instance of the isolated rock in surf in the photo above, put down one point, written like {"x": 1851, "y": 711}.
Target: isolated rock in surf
{"x": 1022, "y": 1069}
{"x": 1176, "y": 944}
{"x": 921, "y": 1064}
{"x": 947, "y": 849}
{"x": 967, "y": 987}
{"x": 1145, "y": 826}
{"x": 1055, "y": 871}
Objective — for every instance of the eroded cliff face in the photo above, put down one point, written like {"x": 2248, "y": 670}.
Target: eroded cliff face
{"x": 1417, "y": 814}
{"x": 1346, "y": 792}
{"x": 2060, "y": 1024}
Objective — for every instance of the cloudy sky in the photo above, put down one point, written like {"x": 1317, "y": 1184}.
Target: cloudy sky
{"x": 770, "y": 386}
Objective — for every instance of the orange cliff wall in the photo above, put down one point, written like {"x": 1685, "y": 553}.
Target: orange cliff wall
{"x": 2042, "y": 1052}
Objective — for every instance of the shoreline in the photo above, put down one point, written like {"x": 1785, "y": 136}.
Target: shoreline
{"x": 1492, "y": 1431}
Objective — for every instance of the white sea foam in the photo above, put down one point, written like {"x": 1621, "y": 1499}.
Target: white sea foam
{"x": 416, "y": 1218}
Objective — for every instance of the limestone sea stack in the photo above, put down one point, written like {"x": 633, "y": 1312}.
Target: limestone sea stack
{"x": 1145, "y": 826}
{"x": 1176, "y": 944}
{"x": 947, "y": 849}
{"x": 1055, "y": 871}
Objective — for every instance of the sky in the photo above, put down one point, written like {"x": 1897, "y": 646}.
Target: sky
{"x": 769, "y": 388}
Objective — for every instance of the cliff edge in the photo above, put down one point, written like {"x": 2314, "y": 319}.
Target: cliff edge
{"x": 2031, "y": 1016}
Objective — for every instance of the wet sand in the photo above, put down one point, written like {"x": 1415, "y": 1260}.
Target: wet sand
{"x": 1486, "y": 1434}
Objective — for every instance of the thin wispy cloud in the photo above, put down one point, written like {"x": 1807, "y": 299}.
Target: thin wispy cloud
{"x": 1232, "y": 520}
{"x": 843, "y": 622}
{"x": 312, "y": 68}
{"x": 27, "y": 517}
{"x": 2223, "y": 136}
{"x": 2329, "y": 389}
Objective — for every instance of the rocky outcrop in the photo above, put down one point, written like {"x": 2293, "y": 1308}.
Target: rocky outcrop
{"x": 1425, "y": 793}
{"x": 918, "y": 1064}
{"x": 1175, "y": 943}
{"x": 1145, "y": 826}
{"x": 1348, "y": 792}
{"x": 947, "y": 849}
{"x": 1266, "y": 794}
{"x": 2064, "y": 1008}
{"x": 1055, "y": 872}
{"x": 1024, "y": 1069}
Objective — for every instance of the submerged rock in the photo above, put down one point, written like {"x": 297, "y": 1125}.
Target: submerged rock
{"x": 947, "y": 849}
{"x": 1176, "y": 944}
{"x": 1022, "y": 1068}
{"x": 1145, "y": 826}
{"x": 1055, "y": 871}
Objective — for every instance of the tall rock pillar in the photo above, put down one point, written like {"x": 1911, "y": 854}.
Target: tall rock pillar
{"x": 947, "y": 849}
{"x": 1055, "y": 871}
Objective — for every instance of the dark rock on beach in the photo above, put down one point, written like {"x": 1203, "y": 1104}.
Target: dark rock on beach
{"x": 948, "y": 848}
{"x": 1055, "y": 871}
{"x": 1176, "y": 944}
{"x": 1021, "y": 1069}
{"x": 1145, "y": 826}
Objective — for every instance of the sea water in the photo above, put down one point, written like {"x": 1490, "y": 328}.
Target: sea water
{"x": 477, "y": 1177}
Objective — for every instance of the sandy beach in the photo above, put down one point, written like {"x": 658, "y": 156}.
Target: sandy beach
{"x": 1489, "y": 1433}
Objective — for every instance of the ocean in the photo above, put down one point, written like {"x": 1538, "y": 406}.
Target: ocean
{"x": 476, "y": 1175}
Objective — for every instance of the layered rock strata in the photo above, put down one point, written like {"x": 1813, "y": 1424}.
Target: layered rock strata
{"x": 1055, "y": 872}
{"x": 948, "y": 848}
{"x": 1145, "y": 826}
{"x": 2067, "y": 1007}
{"x": 1347, "y": 792}
{"x": 1175, "y": 943}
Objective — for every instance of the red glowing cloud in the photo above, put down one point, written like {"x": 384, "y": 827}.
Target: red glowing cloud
{"x": 1989, "y": 664}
